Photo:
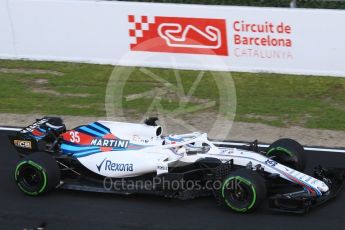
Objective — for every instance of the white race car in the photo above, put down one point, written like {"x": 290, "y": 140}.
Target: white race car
{"x": 126, "y": 158}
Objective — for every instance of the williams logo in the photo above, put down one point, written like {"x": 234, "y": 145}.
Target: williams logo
{"x": 114, "y": 167}
{"x": 110, "y": 143}
{"x": 34, "y": 126}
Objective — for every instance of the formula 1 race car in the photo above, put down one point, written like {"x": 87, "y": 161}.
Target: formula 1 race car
{"x": 127, "y": 158}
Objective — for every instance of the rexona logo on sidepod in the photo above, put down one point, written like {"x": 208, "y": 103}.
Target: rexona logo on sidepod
{"x": 178, "y": 35}
{"x": 111, "y": 166}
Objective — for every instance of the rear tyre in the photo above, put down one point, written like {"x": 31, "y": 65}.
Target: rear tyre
{"x": 287, "y": 152}
{"x": 243, "y": 191}
{"x": 37, "y": 174}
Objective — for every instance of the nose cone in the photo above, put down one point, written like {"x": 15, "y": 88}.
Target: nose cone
{"x": 323, "y": 187}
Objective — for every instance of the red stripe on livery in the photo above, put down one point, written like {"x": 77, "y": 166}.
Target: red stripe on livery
{"x": 84, "y": 139}
{"x": 37, "y": 132}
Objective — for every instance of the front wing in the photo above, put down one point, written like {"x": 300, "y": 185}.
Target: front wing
{"x": 301, "y": 201}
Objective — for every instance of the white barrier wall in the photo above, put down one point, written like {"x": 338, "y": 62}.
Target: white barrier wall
{"x": 7, "y": 48}
{"x": 222, "y": 38}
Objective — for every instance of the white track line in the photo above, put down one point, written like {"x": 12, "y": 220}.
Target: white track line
{"x": 10, "y": 129}
{"x": 228, "y": 143}
{"x": 265, "y": 146}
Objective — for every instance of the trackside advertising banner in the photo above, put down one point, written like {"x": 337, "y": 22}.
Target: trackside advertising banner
{"x": 301, "y": 41}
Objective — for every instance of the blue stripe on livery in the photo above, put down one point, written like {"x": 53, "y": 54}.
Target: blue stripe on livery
{"x": 86, "y": 153}
{"x": 303, "y": 184}
{"x": 175, "y": 139}
{"x": 95, "y": 129}
{"x": 90, "y": 131}
{"x": 100, "y": 127}
{"x": 91, "y": 152}
{"x": 42, "y": 130}
{"x": 71, "y": 148}
{"x": 83, "y": 151}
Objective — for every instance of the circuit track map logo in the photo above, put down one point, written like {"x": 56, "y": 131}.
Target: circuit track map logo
{"x": 179, "y": 35}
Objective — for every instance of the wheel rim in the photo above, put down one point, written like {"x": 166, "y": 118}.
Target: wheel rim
{"x": 30, "y": 178}
{"x": 240, "y": 196}
{"x": 283, "y": 156}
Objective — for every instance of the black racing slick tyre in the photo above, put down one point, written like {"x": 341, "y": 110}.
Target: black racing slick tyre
{"x": 37, "y": 173}
{"x": 243, "y": 191}
{"x": 287, "y": 152}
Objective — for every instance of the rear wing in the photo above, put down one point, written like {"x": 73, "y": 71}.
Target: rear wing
{"x": 39, "y": 135}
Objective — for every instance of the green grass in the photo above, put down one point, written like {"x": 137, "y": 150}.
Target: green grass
{"x": 79, "y": 89}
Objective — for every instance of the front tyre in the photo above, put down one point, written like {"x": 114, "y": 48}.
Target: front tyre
{"x": 243, "y": 191}
{"x": 288, "y": 152}
{"x": 37, "y": 174}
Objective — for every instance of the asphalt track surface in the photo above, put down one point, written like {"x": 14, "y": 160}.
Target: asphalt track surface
{"x": 85, "y": 210}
